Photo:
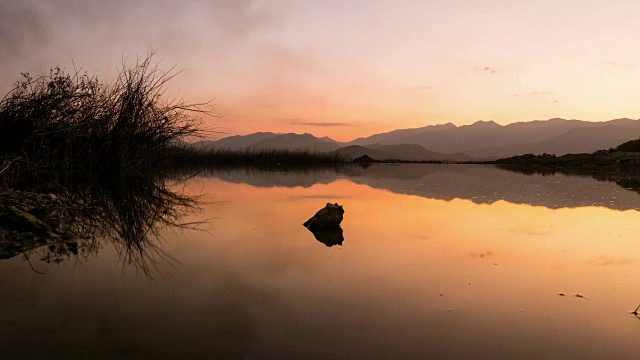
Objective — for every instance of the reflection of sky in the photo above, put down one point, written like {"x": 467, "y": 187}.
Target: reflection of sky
{"x": 259, "y": 284}
{"x": 348, "y": 69}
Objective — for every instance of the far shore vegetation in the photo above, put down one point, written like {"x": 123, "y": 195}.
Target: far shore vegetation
{"x": 190, "y": 157}
{"x": 626, "y": 154}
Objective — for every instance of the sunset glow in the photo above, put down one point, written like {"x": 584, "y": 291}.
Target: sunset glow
{"x": 350, "y": 69}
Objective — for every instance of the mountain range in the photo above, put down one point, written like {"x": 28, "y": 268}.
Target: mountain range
{"x": 482, "y": 140}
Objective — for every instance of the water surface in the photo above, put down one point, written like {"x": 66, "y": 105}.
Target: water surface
{"x": 441, "y": 261}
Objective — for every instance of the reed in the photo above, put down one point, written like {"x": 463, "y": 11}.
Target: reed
{"x": 195, "y": 157}
{"x": 62, "y": 125}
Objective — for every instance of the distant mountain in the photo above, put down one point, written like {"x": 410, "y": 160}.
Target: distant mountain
{"x": 486, "y": 139}
{"x": 407, "y": 152}
{"x": 236, "y": 142}
{"x": 269, "y": 140}
{"x": 400, "y": 136}
{"x": 297, "y": 142}
{"x": 480, "y": 140}
{"x": 574, "y": 141}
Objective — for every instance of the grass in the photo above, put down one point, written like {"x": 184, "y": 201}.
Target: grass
{"x": 64, "y": 125}
{"x": 192, "y": 158}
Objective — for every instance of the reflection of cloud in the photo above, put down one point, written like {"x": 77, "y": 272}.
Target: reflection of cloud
{"x": 530, "y": 231}
{"x": 612, "y": 261}
{"x": 319, "y": 123}
{"x": 481, "y": 255}
{"x": 486, "y": 69}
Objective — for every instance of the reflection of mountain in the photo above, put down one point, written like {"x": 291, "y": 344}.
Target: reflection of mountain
{"x": 482, "y": 184}
{"x": 273, "y": 178}
{"x": 487, "y": 184}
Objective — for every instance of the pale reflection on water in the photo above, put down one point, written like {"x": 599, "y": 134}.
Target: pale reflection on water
{"x": 437, "y": 261}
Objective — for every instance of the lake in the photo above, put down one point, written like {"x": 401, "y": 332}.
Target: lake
{"x": 437, "y": 261}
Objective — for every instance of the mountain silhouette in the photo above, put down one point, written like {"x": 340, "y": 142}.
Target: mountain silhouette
{"x": 574, "y": 141}
{"x": 482, "y": 140}
{"x": 297, "y": 142}
{"x": 486, "y": 139}
{"x": 236, "y": 142}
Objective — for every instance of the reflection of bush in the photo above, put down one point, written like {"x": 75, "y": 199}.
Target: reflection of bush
{"x": 129, "y": 215}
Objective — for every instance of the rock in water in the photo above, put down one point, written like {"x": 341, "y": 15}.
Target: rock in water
{"x": 330, "y": 215}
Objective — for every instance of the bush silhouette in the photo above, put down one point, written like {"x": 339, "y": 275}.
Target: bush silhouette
{"x": 56, "y": 125}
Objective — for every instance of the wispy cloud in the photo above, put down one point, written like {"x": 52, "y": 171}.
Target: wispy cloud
{"x": 486, "y": 69}
{"x": 618, "y": 65}
{"x": 329, "y": 124}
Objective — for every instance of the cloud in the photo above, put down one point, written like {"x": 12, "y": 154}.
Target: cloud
{"x": 329, "y": 124}
{"x": 21, "y": 27}
{"x": 617, "y": 65}
{"x": 486, "y": 69}
{"x": 36, "y": 35}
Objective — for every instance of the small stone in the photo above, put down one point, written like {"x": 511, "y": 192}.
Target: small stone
{"x": 52, "y": 197}
{"x": 80, "y": 202}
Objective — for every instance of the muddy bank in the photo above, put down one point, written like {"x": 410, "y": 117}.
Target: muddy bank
{"x": 29, "y": 220}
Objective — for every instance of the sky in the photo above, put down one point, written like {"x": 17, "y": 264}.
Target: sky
{"x": 347, "y": 69}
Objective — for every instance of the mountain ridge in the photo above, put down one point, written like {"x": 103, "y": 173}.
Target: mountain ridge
{"x": 484, "y": 140}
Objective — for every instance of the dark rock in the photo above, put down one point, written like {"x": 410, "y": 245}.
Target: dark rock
{"x": 329, "y": 216}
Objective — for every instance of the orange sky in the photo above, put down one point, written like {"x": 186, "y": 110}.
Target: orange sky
{"x": 349, "y": 69}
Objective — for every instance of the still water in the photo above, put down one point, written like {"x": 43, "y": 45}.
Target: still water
{"x": 438, "y": 261}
